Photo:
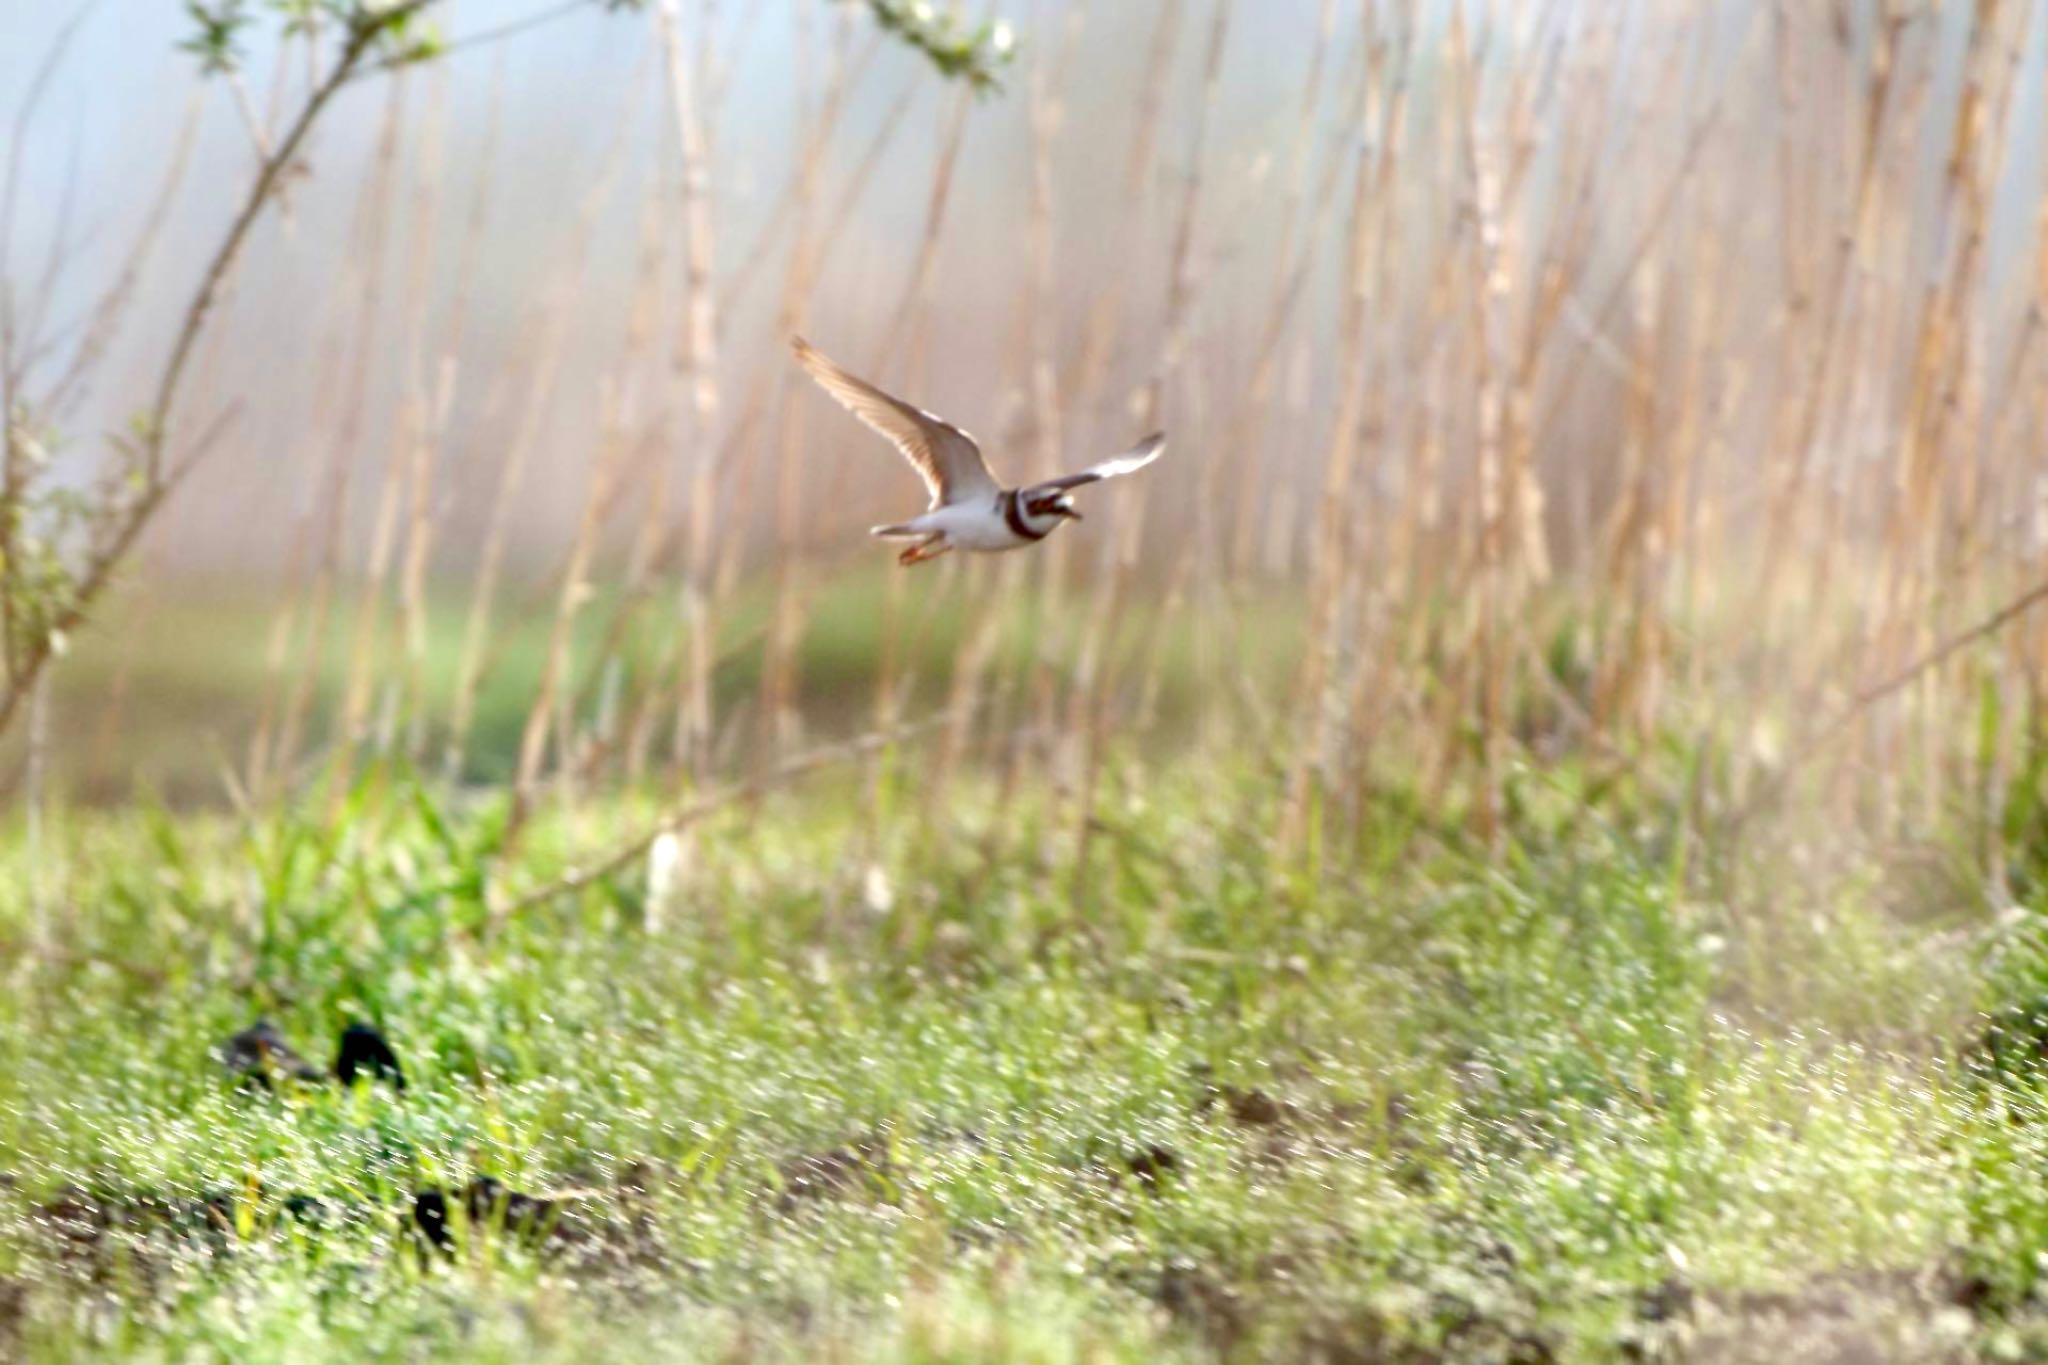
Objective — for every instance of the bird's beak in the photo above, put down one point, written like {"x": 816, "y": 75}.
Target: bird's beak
{"x": 1066, "y": 509}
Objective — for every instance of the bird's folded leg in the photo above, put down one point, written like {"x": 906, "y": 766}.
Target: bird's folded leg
{"x": 923, "y": 550}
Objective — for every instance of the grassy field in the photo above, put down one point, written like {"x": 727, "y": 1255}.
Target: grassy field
{"x": 864, "y": 1086}
{"x": 1523, "y": 838}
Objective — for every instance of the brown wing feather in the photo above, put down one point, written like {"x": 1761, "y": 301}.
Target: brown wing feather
{"x": 944, "y": 456}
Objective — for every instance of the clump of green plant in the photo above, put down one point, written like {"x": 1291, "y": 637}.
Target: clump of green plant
{"x": 975, "y": 53}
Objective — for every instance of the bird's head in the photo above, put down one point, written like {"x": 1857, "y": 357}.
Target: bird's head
{"x": 1053, "y": 505}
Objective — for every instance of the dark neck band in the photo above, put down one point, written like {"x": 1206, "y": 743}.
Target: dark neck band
{"x": 1013, "y": 513}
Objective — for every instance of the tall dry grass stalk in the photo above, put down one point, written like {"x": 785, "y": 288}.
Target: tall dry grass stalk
{"x": 777, "y": 702}
{"x": 1150, "y": 411}
{"x": 553, "y": 327}
{"x": 697, "y": 372}
{"x": 331, "y": 502}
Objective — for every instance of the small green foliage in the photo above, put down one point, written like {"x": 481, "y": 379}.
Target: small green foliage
{"x": 217, "y": 43}
{"x": 976, "y": 54}
{"x": 394, "y": 32}
{"x": 415, "y": 43}
{"x": 300, "y": 16}
{"x": 50, "y": 528}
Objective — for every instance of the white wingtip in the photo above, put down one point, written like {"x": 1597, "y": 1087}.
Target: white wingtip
{"x": 1136, "y": 458}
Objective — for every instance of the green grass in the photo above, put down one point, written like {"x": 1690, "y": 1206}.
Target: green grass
{"x": 1429, "y": 1103}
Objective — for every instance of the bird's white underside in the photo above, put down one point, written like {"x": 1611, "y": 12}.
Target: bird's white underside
{"x": 979, "y": 525}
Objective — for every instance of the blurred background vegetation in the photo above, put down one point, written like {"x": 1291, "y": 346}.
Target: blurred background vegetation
{"x": 1554, "y": 375}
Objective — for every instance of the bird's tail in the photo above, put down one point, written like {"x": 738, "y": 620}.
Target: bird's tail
{"x": 901, "y": 530}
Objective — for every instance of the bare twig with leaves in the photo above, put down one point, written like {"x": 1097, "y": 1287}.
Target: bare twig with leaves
{"x": 62, "y": 548}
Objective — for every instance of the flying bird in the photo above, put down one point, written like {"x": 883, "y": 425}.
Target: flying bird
{"x": 969, "y": 509}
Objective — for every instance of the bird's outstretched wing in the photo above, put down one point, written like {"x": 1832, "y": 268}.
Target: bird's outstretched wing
{"x": 1132, "y": 460}
{"x": 945, "y": 456}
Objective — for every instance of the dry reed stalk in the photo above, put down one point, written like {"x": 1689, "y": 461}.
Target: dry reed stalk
{"x": 1568, "y": 259}
{"x": 1521, "y": 499}
{"x": 862, "y": 177}
{"x": 1620, "y": 547}
{"x": 1045, "y": 115}
{"x": 431, "y": 390}
{"x": 264, "y": 756}
{"x": 1292, "y": 270}
{"x": 1459, "y": 498}
{"x": 1380, "y": 593}
{"x": 35, "y": 805}
{"x": 753, "y": 413}
{"x": 18, "y": 333}
{"x": 915, "y": 301}
{"x": 778, "y": 720}
{"x": 911, "y": 314}
{"x": 1701, "y": 287}
{"x": 611, "y": 473}
{"x": 24, "y": 326}
{"x": 109, "y": 312}
{"x": 259, "y": 136}
{"x": 1291, "y": 264}
{"x": 553, "y": 326}
{"x": 1499, "y": 510}
{"x": 370, "y": 236}
{"x": 628, "y": 681}
{"x": 405, "y": 460}
{"x": 658, "y": 681}
{"x": 2019, "y": 478}
{"x": 1349, "y": 562}
{"x": 697, "y": 371}
{"x": 634, "y": 679}
{"x": 363, "y": 648}
{"x": 1953, "y": 468}
{"x": 1941, "y": 353}
{"x": 24, "y": 120}
{"x": 1089, "y": 374}
{"x": 279, "y": 87}
{"x": 791, "y": 196}
{"x": 1967, "y": 509}
{"x": 718, "y": 76}
{"x": 1319, "y": 645}
{"x": 104, "y": 762}
{"x": 1035, "y": 428}
{"x": 1803, "y": 402}
{"x": 1129, "y": 532}
{"x": 573, "y": 590}
{"x": 857, "y": 182}
{"x": 1562, "y": 282}
{"x": 1090, "y": 368}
